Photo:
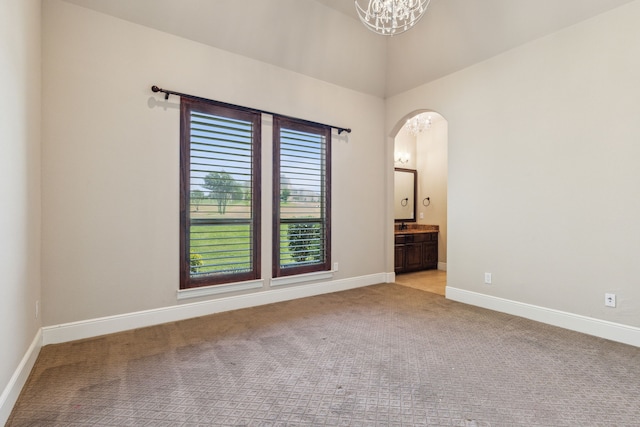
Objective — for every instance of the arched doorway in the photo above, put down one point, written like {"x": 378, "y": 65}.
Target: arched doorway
{"x": 421, "y": 144}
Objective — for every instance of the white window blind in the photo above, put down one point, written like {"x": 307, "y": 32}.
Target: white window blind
{"x": 302, "y": 227}
{"x": 223, "y": 235}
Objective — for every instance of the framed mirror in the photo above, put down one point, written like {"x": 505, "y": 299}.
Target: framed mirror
{"x": 404, "y": 196}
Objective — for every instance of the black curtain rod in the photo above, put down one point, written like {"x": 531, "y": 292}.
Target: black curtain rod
{"x": 184, "y": 95}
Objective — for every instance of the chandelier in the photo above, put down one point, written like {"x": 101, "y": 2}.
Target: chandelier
{"x": 418, "y": 124}
{"x": 390, "y": 17}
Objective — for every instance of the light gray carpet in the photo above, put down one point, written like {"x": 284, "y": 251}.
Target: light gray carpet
{"x": 384, "y": 355}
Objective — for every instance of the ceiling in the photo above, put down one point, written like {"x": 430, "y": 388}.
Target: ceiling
{"x": 324, "y": 38}
{"x": 345, "y": 6}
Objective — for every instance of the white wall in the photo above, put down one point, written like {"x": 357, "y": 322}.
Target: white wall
{"x": 110, "y": 158}
{"x": 19, "y": 187}
{"x": 543, "y": 168}
{"x": 432, "y": 165}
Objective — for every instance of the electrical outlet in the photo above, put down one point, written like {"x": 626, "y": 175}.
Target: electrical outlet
{"x": 487, "y": 278}
{"x": 610, "y": 300}
{"x": 335, "y": 266}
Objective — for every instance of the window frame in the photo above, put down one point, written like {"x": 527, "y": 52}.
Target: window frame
{"x": 187, "y": 106}
{"x": 280, "y": 122}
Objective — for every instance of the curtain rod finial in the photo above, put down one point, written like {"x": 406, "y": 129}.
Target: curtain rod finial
{"x": 155, "y": 88}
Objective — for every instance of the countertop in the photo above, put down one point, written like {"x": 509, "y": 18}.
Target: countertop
{"x": 416, "y": 228}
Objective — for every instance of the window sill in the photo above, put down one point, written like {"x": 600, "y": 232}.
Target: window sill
{"x": 219, "y": 289}
{"x": 298, "y": 278}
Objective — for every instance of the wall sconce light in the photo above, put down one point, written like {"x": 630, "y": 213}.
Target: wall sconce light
{"x": 402, "y": 157}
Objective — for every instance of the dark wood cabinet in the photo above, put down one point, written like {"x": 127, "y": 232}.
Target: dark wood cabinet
{"x": 414, "y": 256}
{"x": 416, "y": 251}
{"x": 399, "y": 257}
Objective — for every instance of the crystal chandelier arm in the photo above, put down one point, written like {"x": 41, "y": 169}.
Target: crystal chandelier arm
{"x": 391, "y": 17}
{"x": 418, "y": 124}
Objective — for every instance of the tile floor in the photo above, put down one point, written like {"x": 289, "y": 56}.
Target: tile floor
{"x": 433, "y": 281}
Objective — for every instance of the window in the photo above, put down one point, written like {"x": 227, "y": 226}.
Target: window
{"x": 301, "y": 182}
{"x": 219, "y": 194}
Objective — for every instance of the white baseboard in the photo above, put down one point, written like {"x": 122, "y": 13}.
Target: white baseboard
{"x": 11, "y": 392}
{"x": 118, "y": 323}
{"x": 442, "y": 266}
{"x": 575, "y": 322}
{"x": 391, "y": 277}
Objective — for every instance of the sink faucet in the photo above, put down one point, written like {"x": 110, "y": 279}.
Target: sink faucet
{"x": 403, "y": 226}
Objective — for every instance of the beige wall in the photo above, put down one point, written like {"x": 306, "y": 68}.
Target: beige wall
{"x": 303, "y": 36}
{"x": 110, "y": 159}
{"x": 405, "y": 143}
{"x": 19, "y": 185}
{"x": 432, "y": 165}
{"x": 543, "y": 168}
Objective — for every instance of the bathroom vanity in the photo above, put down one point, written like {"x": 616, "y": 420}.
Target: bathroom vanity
{"x": 416, "y": 247}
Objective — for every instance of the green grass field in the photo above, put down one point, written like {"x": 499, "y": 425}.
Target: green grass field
{"x": 224, "y": 247}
